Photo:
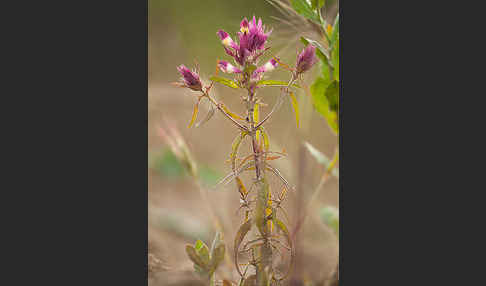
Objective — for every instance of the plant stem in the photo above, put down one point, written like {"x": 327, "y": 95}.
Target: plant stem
{"x": 220, "y": 108}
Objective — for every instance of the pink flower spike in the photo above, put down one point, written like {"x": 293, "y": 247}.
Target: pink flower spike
{"x": 190, "y": 78}
{"x": 306, "y": 59}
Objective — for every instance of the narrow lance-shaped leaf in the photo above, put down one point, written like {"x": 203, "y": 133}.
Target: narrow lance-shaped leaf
{"x": 266, "y": 142}
{"x": 256, "y": 116}
{"x": 240, "y": 235}
{"x": 241, "y": 187}
{"x": 194, "y": 113}
{"x": 304, "y": 8}
{"x": 234, "y": 115}
{"x": 282, "y": 227}
{"x": 234, "y": 149}
{"x": 321, "y": 158}
{"x": 268, "y": 82}
{"x": 224, "y": 81}
{"x": 295, "y": 105}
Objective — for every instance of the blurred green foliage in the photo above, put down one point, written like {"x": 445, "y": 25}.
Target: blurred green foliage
{"x": 168, "y": 165}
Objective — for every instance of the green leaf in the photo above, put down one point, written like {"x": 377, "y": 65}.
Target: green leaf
{"x": 199, "y": 244}
{"x": 335, "y": 60}
{"x": 224, "y": 81}
{"x": 202, "y": 251}
{"x": 332, "y": 95}
{"x": 335, "y": 31}
{"x": 275, "y": 83}
{"x": 191, "y": 252}
{"x": 320, "y": 51}
{"x": 321, "y": 158}
{"x": 330, "y": 216}
{"x": 194, "y": 114}
{"x": 208, "y": 175}
{"x": 304, "y": 8}
{"x": 321, "y": 103}
{"x": 168, "y": 165}
{"x": 317, "y": 4}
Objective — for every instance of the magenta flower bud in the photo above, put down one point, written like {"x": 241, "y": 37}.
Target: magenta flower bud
{"x": 306, "y": 59}
{"x": 227, "y": 67}
{"x": 268, "y": 66}
{"x": 226, "y": 40}
{"x": 190, "y": 78}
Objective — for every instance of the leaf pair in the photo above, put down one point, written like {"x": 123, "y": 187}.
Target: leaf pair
{"x": 205, "y": 261}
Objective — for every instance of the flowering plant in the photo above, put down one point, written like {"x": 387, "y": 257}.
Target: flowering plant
{"x": 262, "y": 206}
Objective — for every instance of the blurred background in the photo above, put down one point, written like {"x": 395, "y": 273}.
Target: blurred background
{"x": 182, "y": 32}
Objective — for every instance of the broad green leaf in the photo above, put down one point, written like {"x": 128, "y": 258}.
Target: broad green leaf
{"x": 268, "y": 82}
{"x": 317, "y": 4}
{"x": 224, "y": 81}
{"x": 304, "y": 8}
{"x": 330, "y": 216}
{"x": 332, "y": 95}
{"x": 321, "y": 158}
{"x": 194, "y": 113}
{"x": 295, "y": 105}
{"x": 321, "y": 103}
{"x": 320, "y": 51}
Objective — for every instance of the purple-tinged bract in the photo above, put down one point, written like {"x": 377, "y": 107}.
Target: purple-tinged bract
{"x": 268, "y": 66}
{"x": 306, "y": 59}
{"x": 227, "y": 67}
{"x": 190, "y": 78}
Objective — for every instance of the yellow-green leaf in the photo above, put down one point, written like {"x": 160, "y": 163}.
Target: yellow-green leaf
{"x": 295, "y": 105}
{"x": 266, "y": 143}
{"x": 241, "y": 187}
{"x": 268, "y": 82}
{"x": 234, "y": 115}
{"x": 320, "y": 93}
{"x": 224, "y": 81}
{"x": 194, "y": 113}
